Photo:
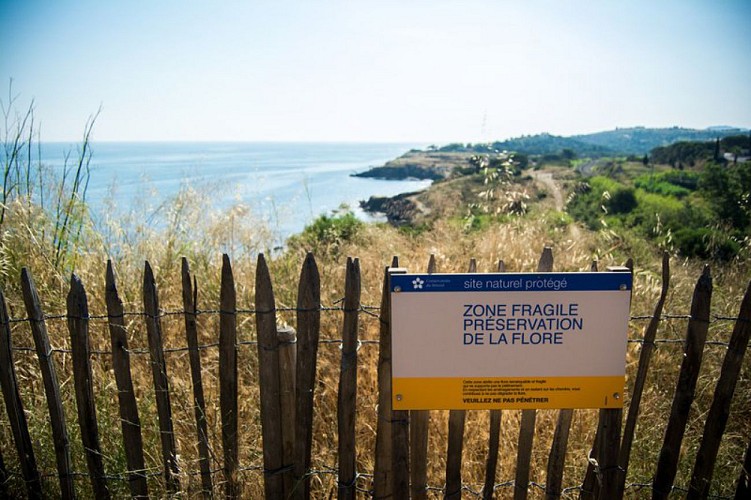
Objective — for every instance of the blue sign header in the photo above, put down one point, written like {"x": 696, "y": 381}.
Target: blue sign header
{"x": 508, "y": 282}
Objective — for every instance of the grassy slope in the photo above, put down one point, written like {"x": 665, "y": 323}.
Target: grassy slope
{"x": 516, "y": 240}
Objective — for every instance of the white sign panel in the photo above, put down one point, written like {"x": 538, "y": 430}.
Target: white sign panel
{"x": 537, "y": 340}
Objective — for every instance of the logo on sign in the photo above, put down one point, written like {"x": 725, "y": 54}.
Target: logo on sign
{"x": 417, "y": 283}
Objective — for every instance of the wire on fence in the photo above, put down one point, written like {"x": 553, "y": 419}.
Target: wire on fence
{"x": 325, "y": 470}
{"x": 366, "y": 309}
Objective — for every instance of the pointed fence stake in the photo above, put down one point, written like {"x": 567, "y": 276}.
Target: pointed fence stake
{"x": 14, "y": 406}
{"x": 419, "y": 421}
{"x": 527, "y": 430}
{"x": 51, "y": 386}
{"x": 228, "y": 377}
{"x": 268, "y": 380}
{"x": 161, "y": 382}
{"x": 717, "y": 419}
{"x": 696, "y": 336}
{"x": 308, "y": 333}
{"x": 190, "y": 308}
{"x": 347, "y": 394}
{"x": 130, "y": 421}
{"x": 78, "y": 326}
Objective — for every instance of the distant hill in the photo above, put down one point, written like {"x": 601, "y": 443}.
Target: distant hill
{"x": 539, "y": 144}
{"x": 621, "y": 141}
{"x": 730, "y": 148}
{"x": 641, "y": 140}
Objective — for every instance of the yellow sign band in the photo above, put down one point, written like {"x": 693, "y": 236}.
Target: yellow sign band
{"x": 508, "y": 393}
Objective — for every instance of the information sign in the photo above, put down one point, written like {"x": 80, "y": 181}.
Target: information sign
{"x": 485, "y": 341}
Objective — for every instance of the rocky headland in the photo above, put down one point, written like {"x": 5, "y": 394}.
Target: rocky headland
{"x": 417, "y": 164}
{"x": 406, "y": 208}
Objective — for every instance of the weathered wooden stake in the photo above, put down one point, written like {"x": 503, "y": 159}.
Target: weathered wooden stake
{"x": 308, "y": 332}
{"x": 399, "y": 437}
{"x": 190, "y": 308}
{"x": 645, "y": 356}
{"x": 14, "y": 407}
{"x": 527, "y": 430}
{"x": 696, "y": 336}
{"x": 494, "y": 440}
{"x": 129, "y": 419}
{"x": 419, "y": 421}
{"x": 557, "y": 457}
{"x": 78, "y": 326}
{"x": 382, "y": 475}
{"x": 51, "y": 385}
{"x": 491, "y": 464}
{"x": 268, "y": 381}
{"x": 719, "y": 412}
{"x": 347, "y": 395}
{"x": 228, "y": 377}
{"x": 457, "y": 419}
{"x": 287, "y": 337}
{"x": 161, "y": 382}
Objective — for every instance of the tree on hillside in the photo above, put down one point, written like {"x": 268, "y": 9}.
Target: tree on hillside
{"x": 729, "y": 191}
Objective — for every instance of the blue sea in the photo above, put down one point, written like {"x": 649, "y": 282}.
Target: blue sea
{"x": 285, "y": 185}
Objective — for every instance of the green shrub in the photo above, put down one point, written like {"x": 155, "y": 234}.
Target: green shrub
{"x": 621, "y": 201}
{"x": 329, "y": 230}
{"x": 706, "y": 243}
{"x": 671, "y": 183}
{"x": 598, "y": 197}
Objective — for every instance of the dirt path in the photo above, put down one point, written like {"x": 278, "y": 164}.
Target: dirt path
{"x": 546, "y": 178}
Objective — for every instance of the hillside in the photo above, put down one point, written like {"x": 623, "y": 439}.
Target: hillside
{"x": 619, "y": 142}
{"x": 641, "y": 140}
{"x": 490, "y": 211}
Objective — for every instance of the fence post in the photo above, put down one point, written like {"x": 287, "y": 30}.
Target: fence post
{"x": 14, "y": 407}
{"x": 228, "y": 376}
{"x": 78, "y": 326}
{"x": 347, "y": 394}
{"x": 130, "y": 421}
{"x": 308, "y": 332}
{"x": 419, "y": 421}
{"x": 608, "y": 437}
{"x": 190, "y": 307}
{"x": 556, "y": 459}
{"x": 696, "y": 336}
{"x": 382, "y": 475}
{"x": 527, "y": 430}
{"x": 457, "y": 419}
{"x": 268, "y": 381}
{"x": 591, "y": 486}
{"x": 494, "y": 440}
{"x": 719, "y": 412}
{"x": 557, "y": 456}
{"x": 399, "y": 435}
{"x": 287, "y": 338}
{"x": 645, "y": 356}
{"x": 51, "y": 385}
{"x": 161, "y": 383}
{"x": 491, "y": 464}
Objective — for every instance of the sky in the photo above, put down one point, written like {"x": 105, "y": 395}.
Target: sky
{"x": 378, "y": 71}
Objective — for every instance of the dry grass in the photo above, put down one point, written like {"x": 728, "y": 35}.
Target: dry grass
{"x": 203, "y": 239}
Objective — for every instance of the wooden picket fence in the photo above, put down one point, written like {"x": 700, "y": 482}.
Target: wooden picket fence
{"x": 287, "y": 382}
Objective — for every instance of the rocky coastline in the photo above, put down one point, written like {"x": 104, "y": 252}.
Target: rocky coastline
{"x": 403, "y": 209}
{"x": 400, "y": 210}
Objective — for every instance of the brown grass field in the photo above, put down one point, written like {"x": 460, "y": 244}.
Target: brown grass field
{"x": 518, "y": 242}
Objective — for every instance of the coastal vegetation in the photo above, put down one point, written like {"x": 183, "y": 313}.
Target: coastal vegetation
{"x": 489, "y": 204}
